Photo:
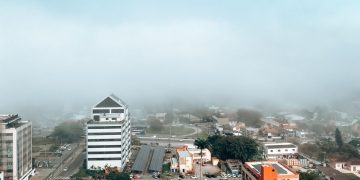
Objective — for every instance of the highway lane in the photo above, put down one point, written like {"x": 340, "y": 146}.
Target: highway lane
{"x": 67, "y": 161}
{"x": 174, "y": 142}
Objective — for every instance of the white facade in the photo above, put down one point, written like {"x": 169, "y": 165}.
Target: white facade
{"x": 280, "y": 150}
{"x": 196, "y": 155}
{"x": 108, "y": 135}
{"x": 16, "y": 148}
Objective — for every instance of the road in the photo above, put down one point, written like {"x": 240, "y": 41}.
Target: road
{"x": 175, "y": 142}
{"x": 72, "y": 163}
{"x": 43, "y": 173}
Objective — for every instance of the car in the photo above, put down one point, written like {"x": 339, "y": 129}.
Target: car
{"x": 181, "y": 140}
{"x": 69, "y": 149}
{"x": 193, "y": 177}
{"x": 65, "y": 169}
{"x": 234, "y": 175}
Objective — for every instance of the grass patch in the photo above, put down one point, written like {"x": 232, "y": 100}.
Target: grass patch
{"x": 166, "y": 168}
{"x": 174, "y": 131}
{"x": 38, "y": 141}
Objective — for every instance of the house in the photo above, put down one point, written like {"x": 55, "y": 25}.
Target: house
{"x": 277, "y": 151}
{"x": 174, "y": 167}
{"x": 196, "y": 155}
{"x": 184, "y": 159}
{"x": 237, "y": 126}
{"x": 331, "y": 173}
{"x": 160, "y": 116}
{"x": 354, "y": 165}
{"x": 267, "y": 170}
{"x": 347, "y": 166}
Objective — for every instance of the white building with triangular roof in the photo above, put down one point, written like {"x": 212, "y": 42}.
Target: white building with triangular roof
{"x": 108, "y": 134}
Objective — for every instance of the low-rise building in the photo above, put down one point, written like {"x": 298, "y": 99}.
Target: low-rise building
{"x": 185, "y": 160}
{"x": 276, "y": 151}
{"x": 349, "y": 166}
{"x": 196, "y": 155}
{"x": 267, "y": 170}
{"x": 233, "y": 165}
{"x": 174, "y": 166}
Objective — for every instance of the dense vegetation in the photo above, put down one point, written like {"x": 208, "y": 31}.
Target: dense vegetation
{"x": 110, "y": 173}
{"x": 326, "y": 148}
{"x": 310, "y": 175}
{"x": 68, "y": 132}
{"x": 234, "y": 147}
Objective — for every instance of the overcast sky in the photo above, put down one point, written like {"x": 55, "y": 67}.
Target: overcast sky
{"x": 240, "y": 51}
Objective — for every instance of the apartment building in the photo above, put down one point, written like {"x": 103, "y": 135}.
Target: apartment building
{"x": 15, "y": 148}
{"x": 108, "y": 134}
{"x": 275, "y": 151}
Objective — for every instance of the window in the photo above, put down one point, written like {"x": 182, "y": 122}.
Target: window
{"x": 293, "y": 149}
{"x": 96, "y": 140}
{"x": 106, "y": 152}
{"x": 104, "y": 127}
{"x": 117, "y": 111}
{"x": 106, "y": 133}
{"x": 99, "y": 159}
{"x": 271, "y": 150}
{"x": 101, "y": 111}
{"x": 278, "y": 150}
{"x": 103, "y": 146}
{"x": 286, "y": 150}
{"x": 113, "y": 118}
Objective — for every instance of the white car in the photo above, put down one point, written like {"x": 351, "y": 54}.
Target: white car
{"x": 65, "y": 169}
{"x": 193, "y": 177}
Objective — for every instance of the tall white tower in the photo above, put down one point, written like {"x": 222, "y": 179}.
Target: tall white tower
{"x": 108, "y": 134}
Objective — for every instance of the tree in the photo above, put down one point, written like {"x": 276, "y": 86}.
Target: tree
{"x": 201, "y": 144}
{"x": 338, "y": 138}
{"x": 310, "y": 175}
{"x": 113, "y": 175}
{"x": 68, "y": 132}
{"x": 250, "y": 117}
{"x": 156, "y": 125}
{"x": 234, "y": 147}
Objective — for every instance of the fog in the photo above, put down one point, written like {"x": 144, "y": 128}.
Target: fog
{"x": 59, "y": 55}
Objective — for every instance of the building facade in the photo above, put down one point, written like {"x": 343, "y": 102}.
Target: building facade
{"x": 15, "y": 148}
{"x": 276, "y": 151}
{"x": 108, "y": 134}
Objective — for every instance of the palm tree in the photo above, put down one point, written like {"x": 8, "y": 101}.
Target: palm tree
{"x": 201, "y": 144}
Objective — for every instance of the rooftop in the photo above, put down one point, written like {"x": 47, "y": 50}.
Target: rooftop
{"x": 255, "y": 167}
{"x": 157, "y": 159}
{"x": 184, "y": 154}
{"x": 280, "y": 145}
{"x": 8, "y": 118}
{"x": 111, "y": 101}
{"x": 141, "y": 159}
